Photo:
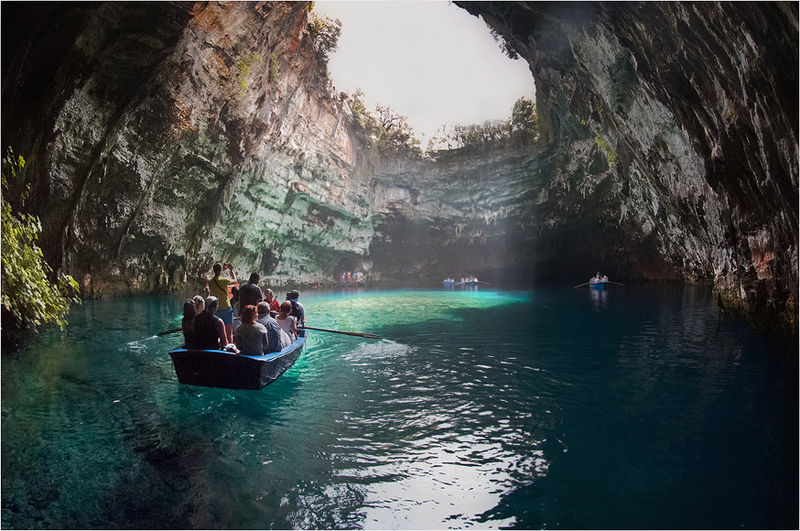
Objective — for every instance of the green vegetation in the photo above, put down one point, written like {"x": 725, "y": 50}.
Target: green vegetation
{"x": 245, "y": 66}
{"x": 388, "y": 131}
{"x": 509, "y": 50}
{"x": 520, "y": 130}
{"x": 391, "y": 133}
{"x": 28, "y": 297}
{"x": 611, "y": 154}
{"x": 273, "y": 68}
{"x": 324, "y": 34}
{"x": 525, "y": 120}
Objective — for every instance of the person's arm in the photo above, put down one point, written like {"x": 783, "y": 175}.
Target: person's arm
{"x": 221, "y": 333}
{"x": 233, "y": 275}
{"x": 294, "y": 326}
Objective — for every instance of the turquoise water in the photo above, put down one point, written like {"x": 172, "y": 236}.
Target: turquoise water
{"x": 643, "y": 407}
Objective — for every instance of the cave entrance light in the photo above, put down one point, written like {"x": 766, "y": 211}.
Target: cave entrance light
{"x": 431, "y": 62}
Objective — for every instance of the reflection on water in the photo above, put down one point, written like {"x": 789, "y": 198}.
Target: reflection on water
{"x": 644, "y": 407}
{"x": 599, "y": 298}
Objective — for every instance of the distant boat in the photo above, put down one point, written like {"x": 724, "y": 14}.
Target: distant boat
{"x": 219, "y": 368}
{"x": 600, "y": 284}
{"x": 449, "y": 282}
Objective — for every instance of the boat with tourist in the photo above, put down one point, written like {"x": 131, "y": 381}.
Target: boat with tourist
{"x": 220, "y": 368}
{"x": 598, "y": 282}
{"x": 465, "y": 281}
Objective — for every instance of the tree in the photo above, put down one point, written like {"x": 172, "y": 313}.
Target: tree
{"x": 388, "y": 131}
{"x": 324, "y": 35}
{"x": 395, "y": 135}
{"x": 524, "y": 120}
{"x": 28, "y": 297}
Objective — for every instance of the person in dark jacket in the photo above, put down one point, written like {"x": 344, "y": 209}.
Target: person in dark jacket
{"x": 209, "y": 330}
{"x": 249, "y": 292}
{"x": 297, "y": 309}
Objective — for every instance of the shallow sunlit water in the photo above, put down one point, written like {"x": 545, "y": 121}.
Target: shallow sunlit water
{"x": 642, "y": 407}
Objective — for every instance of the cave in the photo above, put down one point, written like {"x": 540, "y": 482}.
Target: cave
{"x": 162, "y": 137}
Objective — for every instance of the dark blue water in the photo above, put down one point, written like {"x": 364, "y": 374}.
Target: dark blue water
{"x": 643, "y": 407}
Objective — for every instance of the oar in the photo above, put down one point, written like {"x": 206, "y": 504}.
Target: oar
{"x": 173, "y": 331}
{"x": 617, "y": 283}
{"x": 359, "y": 334}
{"x": 584, "y": 284}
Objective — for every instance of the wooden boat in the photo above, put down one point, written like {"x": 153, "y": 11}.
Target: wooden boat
{"x": 219, "y": 368}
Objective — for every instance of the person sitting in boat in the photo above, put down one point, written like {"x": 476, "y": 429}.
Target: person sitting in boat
{"x": 269, "y": 298}
{"x": 595, "y": 279}
{"x": 251, "y": 336}
{"x": 604, "y": 279}
{"x": 199, "y": 304}
{"x": 297, "y": 309}
{"x": 249, "y": 292}
{"x": 187, "y": 323}
{"x": 218, "y": 287}
{"x": 209, "y": 330}
{"x": 276, "y": 337}
{"x": 287, "y": 322}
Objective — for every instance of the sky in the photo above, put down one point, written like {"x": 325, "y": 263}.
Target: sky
{"x": 428, "y": 60}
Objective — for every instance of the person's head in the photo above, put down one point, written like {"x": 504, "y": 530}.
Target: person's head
{"x": 286, "y": 307}
{"x": 235, "y": 293}
{"x": 249, "y": 314}
{"x": 212, "y": 303}
{"x": 254, "y": 278}
{"x": 188, "y": 308}
{"x": 217, "y": 269}
{"x": 269, "y": 294}
{"x": 199, "y": 304}
{"x": 263, "y": 308}
{"x": 293, "y": 295}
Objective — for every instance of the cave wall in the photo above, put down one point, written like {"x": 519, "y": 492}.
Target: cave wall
{"x": 695, "y": 107}
{"x": 668, "y": 151}
{"x": 152, "y": 153}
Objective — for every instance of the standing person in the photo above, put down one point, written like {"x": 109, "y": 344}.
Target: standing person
{"x": 287, "y": 322}
{"x": 251, "y": 336}
{"x": 276, "y": 337}
{"x": 209, "y": 330}
{"x": 236, "y": 309}
{"x": 297, "y": 309}
{"x": 218, "y": 286}
{"x": 249, "y": 292}
{"x": 269, "y": 297}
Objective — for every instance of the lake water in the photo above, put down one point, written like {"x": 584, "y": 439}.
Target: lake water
{"x": 642, "y": 407}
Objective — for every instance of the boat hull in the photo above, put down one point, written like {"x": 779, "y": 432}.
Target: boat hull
{"x": 218, "y": 368}
{"x": 598, "y": 285}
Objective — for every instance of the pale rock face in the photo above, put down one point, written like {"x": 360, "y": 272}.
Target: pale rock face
{"x": 164, "y": 137}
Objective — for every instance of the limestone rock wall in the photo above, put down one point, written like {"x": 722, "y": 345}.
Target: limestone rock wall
{"x": 162, "y": 137}
{"x": 680, "y": 118}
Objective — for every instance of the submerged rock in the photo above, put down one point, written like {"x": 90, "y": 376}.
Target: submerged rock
{"x": 162, "y": 137}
